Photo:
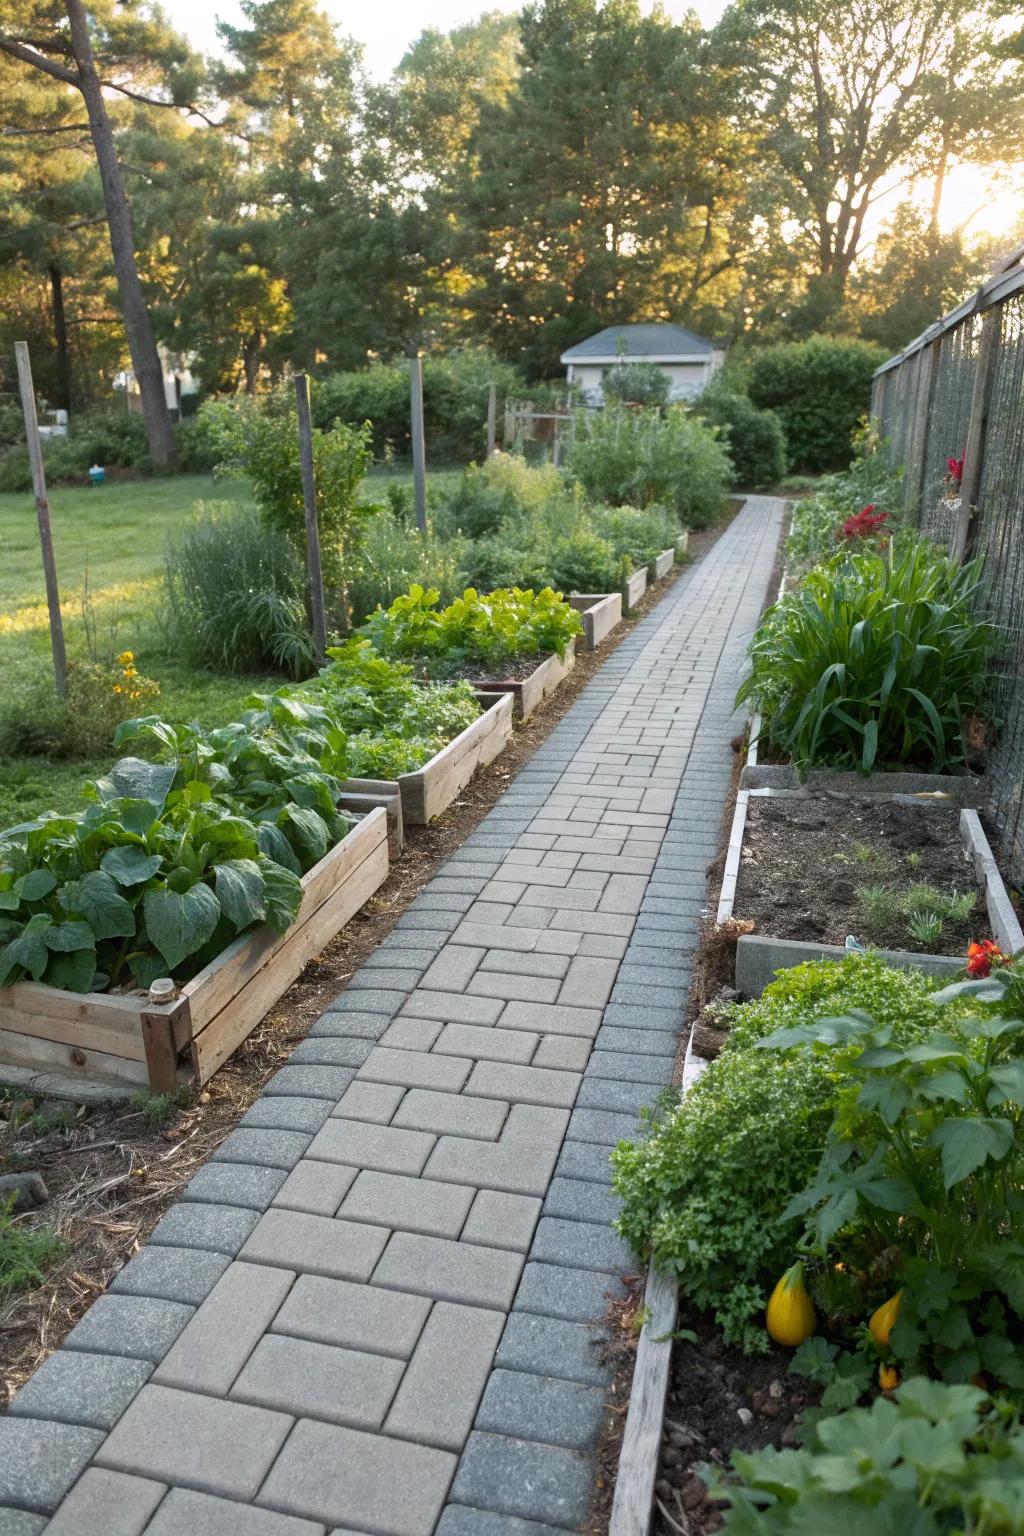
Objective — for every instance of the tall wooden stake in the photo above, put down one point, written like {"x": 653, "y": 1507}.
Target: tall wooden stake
{"x": 314, "y": 572}
{"x": 492, "y": 417}
{"x": 419, "y": 447}
{"x": 35, "y": 458}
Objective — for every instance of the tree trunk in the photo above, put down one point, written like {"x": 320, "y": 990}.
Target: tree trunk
{"x": 251, "y": 361}
{"x": 60, "y": 336}
{"x": 137, "y": 323}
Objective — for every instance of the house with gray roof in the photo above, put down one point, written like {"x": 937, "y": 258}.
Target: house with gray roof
{"x": 688, "y": 359}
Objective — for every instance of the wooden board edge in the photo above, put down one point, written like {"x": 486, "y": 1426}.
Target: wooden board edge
{"x": 641, "y": 1440}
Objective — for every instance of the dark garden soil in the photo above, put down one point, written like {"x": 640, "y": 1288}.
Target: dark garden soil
{"x": 719, "y": 1400}
{"x": 821, "y": 867}
{"x": 112, "y": 1172}
{"x": 515, "y": 670}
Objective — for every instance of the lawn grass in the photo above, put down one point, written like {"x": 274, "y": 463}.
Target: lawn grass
{"x": 109, "y": 549}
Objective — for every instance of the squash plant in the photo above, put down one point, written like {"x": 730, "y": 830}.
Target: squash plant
{"x": 921, "y": 1185}
{"x": 153, "y": 878}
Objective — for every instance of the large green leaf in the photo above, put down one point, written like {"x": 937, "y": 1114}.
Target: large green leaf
{"x": 307, "y": 833}
{"x": 73, "y": 971}
{"x": 241, "y": 890}
{"x": 130, "y": 866}
{"x": 96, "y": 898}
{"x": 283, "y": 894}
{"x": 273, "y": 843}
{"x": 968, "y": 1142}
{"x": 180, "y": 922}
{"x": 66, "y": 938}
{"x": 28, "y": 951}
{"x": 35, "y": 885}
{"x": 134, "y": 779}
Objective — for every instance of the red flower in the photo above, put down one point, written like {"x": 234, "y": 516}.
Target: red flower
{"x": 956, "y": 469}
{"x": 864, "y": 523}
{"x": 982, "y": 957}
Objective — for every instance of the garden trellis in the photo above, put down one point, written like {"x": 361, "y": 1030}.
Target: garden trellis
{"x": 957, "y": 392}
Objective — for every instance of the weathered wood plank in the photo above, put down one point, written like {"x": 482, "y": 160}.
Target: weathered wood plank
{"x": 218, "y": 983}
{"x": 90, "y": 1019}
{"x": 432, "y": 788}
{"x": 253, "y": 1000}
{"x": 600, "y": 612}
{"x": 70, "y": 1061}
{"x": 530, "y": 692}
{"x": 634, "y": 589}
{"x": 662, "y": 564}
{"x": 641, "y": 1441}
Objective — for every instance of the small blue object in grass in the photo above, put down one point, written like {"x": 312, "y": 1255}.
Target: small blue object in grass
{"x": 97, "y": 474}
{"x": 854, "y": 944}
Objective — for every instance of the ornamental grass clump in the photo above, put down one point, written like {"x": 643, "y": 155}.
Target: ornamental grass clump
{"x": 875, "y": 661}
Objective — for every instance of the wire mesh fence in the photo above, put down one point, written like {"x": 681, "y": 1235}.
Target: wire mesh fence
{"x": 958, "y": 393}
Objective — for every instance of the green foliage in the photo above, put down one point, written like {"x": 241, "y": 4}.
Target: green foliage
{"x": 503, "y": 488}
{"x": 819, "y": 389}
{"x": 158, "y": 874}
{"x": 263, "y": 442}
{"x": 924, "y": 1160}
{"x": 394, "y": 556}
{"x": 455, "y": 392}
{"x": 476, "y": 629}
{"x": 630, "y": 457}
{"x": 703, "y": 1194}
{"x": 394, "y": 725}
{"x": 235, "y": 593}
{"x": 25, "y": 1252}
{"x": 875, "y": 660}
{"x": 869, "y": 481}
{"x": 36, "y": 723}
{"x": 636, "y": 384}
{"x": 754, "y": 438}
{"x": 889, "y": 913}
{"x": 929, "y": 1460}
{"x": 110, "y": 435}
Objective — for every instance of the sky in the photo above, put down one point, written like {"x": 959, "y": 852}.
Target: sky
{"x": 389, "y": 26}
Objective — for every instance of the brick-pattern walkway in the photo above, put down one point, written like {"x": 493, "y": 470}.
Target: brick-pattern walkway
{"x": 375, "y": 1309}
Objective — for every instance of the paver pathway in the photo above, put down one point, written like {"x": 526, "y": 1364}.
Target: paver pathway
{"x": 375, "y": 1309}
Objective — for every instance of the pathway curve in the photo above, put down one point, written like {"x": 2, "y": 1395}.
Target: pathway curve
{"x": 375, "y": 1310}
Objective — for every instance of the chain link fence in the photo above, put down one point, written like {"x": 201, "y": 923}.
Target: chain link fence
{"x": 957, "y": 392}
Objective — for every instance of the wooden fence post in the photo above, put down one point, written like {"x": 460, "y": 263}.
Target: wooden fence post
{"x": 35, "y": 458}
{"x": 419, "y": 447}
{"x": 314, "y": 571}
{"x": 492, "y": 417}
{"x": 925, "y": 399}
{"x": 974, "y": 447}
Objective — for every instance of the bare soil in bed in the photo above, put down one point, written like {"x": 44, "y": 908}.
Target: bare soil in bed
{"x": 112, "y": 1173}
{"x": 808, "y": 861}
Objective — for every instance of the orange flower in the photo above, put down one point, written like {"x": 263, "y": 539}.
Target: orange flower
{"x": 982, "y": 957}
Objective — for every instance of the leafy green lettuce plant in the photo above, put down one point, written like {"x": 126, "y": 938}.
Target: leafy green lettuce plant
{"x": 485, "y": 629}
{"x": 875, "y": 660}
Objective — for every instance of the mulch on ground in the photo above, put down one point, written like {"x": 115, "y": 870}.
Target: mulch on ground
{"x": 806, "y": 860}
{"x": 112, "y": 1172}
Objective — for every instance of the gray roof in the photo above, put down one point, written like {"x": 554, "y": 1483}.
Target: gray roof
{"x": 639, "y": 341}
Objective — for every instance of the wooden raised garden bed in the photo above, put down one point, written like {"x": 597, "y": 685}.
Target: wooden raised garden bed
{"x": 600, "y": 612}
{"x": 432, "y": 788}
{"x": 759, "y": 955}
{"x": 529, "y": 692}
{"x": 126, "y": 1041}
{"x": 662, "y": 564}
{"x": 634, "y": 588}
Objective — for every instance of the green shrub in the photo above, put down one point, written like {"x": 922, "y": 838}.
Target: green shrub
{"x": 869, "y": 481}
{"x": 15, "y": 473}
{"x": 635, "y": 533}
{"x": 635, "y": 458}
{"x": 34, "y": 722}
{"x": 455, "y": 390}
{"x": 703, "y": 1196}
{"x": 875, "y": 660}
{"x": 819, "y": 389}
{"x": 393, "y": 556}
{"x": 195, "y": 446}
{"x": 25, "y": 1252}
{"x": 234, "y": 593}
{"x": 489, "y": 496}
{"x": 636, "y": 384}
{"x": 930, "y": 1459}
{"x": 754, "y": 438}
{"x": 477, "y": 629}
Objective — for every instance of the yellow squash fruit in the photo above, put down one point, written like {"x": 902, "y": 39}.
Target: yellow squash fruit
{"x": 884, "y": 1320}
{"x": 888, "y": 1378}
{"x": 789, "y": 1316}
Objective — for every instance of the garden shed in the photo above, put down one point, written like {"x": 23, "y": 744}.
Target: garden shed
{"x": 689, "y": 360}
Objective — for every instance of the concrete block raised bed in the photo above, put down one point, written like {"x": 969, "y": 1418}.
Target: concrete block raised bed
{"x": 634, "y": 588}
{"x": 600, "y": 612}
{"x": 58, "y": 1040}
{"x": 529, "y": 692}
{"x": 432, "y": 788}
{"x": 759, "y": 956}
